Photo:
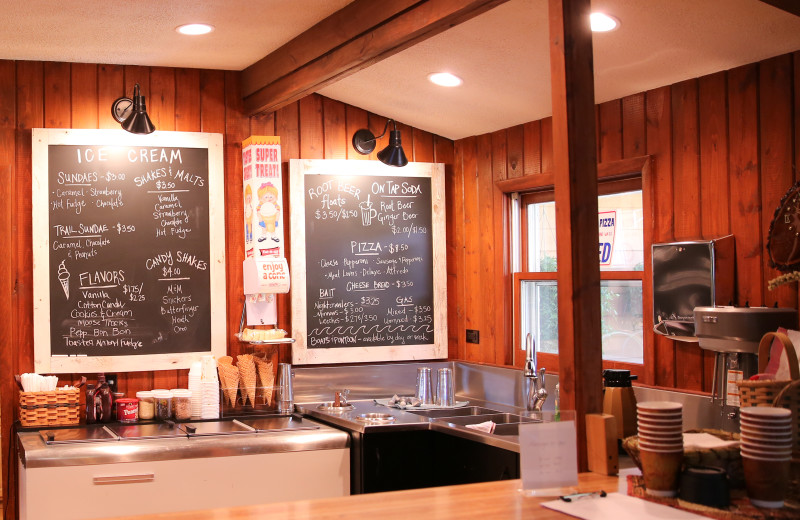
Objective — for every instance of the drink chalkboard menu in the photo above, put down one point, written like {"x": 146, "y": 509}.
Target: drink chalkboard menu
{"x": 125, "y": 259}
{"x": 372, "y": 247}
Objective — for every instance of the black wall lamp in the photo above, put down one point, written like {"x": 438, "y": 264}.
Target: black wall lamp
{"x": 132, "y": 114}
{"x": 393, "y": 155}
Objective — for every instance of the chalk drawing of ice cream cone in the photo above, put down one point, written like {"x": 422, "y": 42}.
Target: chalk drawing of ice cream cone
{"x": 63, "y": 277}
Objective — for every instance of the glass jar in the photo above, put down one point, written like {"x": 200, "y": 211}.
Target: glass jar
{"x": 182, "y": 404}
{"x": 163, "y": 400}
{"x": 147, "y": 405}
{"x": 115, "y": 397}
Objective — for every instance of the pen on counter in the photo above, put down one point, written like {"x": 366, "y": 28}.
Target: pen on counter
{"x": 580, "y": 496}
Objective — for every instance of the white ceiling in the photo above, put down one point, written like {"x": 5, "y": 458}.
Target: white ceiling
{"x": 502, "y": 55}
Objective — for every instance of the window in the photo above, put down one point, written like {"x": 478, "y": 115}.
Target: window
{"x": 621, "y": 257}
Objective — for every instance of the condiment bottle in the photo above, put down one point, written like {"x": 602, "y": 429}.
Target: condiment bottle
{"x": 90, "y": 407}
{"x": 103, "y": 400}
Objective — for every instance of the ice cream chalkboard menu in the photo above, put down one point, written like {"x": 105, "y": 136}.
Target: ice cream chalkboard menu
{"x": 126, "y": 262}
{"x": 368, "y": 261}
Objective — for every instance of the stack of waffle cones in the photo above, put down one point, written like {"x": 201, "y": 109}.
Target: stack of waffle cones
{"x": 228, "y": 378}
{"x": 266, "y": 379}
{"x": 247, "y": 377}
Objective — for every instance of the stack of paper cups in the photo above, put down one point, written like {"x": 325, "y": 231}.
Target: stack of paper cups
{"x": 660, "y": 425}
{"x": 209, "y": 389}
{"x": 766, "y": 453}
{"x": 195, "y": 374}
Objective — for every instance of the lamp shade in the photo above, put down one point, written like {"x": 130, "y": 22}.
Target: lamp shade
{"x": 393, "y": 154}
{"x": 138, "y": 122}
{"x": 131, "y": 114}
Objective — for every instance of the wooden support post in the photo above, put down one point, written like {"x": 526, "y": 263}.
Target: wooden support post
{"x": 575, "y": 164}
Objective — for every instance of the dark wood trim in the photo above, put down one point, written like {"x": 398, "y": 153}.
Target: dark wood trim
{"x": 790, "y": 6}
{"x": 575, "y": 160}
{"x": 361, "y": 34}
{"x": 612, "y": 170}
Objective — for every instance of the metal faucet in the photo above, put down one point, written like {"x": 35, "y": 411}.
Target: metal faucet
{"x": 534, "y": 393}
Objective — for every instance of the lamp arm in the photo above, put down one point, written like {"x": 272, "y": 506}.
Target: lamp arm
{"x": 385, "y": 127}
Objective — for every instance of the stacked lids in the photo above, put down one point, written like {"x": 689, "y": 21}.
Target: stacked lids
{"x": 766, "y": 433}
{"x": 660, "y": 425}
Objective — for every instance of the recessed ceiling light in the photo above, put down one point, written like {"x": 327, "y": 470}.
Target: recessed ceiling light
{"x": 603, "y": 23}
{"x": 445, "y": 79}
{"x": 194, "y": 29}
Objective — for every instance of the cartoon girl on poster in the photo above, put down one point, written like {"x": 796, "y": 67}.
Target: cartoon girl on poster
{"x": 268, "y": 210}
{"x": 248, "y": 214}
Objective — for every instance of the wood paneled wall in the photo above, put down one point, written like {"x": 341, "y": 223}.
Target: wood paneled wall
{"x": 725, "y": 149}
{"x": 72, "y": 95}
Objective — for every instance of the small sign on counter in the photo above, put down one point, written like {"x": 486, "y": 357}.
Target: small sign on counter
{"x": 548, "y": 457}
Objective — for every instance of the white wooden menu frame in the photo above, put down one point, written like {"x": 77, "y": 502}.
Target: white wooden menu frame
{"x": 301, "y": 354}
{"x": 44, "y": 361}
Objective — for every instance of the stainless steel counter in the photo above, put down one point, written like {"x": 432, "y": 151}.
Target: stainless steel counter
{"x": 403, "y": 420}
{"x": 35, "y": 453}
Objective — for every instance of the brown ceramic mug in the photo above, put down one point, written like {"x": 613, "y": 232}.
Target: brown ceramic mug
{"x": 661, "y": 471}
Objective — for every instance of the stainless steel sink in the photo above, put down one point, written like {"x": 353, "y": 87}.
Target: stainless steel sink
{"x": 497, "y": 418}
{"x": 510, "y": 429}
{"x": 453, "y": 412}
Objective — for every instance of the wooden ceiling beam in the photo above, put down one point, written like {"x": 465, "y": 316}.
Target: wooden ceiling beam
{"x": 790, "y": 6}
{"x": 359, "y": 35}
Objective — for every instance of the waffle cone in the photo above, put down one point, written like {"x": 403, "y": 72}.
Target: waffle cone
{"x": 247, "y": 376}
{"x": 266, "y": 378}
{"x": 229, "y": 379}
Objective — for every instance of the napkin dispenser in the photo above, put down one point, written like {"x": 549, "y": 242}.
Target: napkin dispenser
{"x": 687, "y": 275}
{"x": 264, "y": 277}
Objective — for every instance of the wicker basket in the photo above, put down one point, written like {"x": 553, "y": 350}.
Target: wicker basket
{"x": 56, "y": 408}
{"x": 785, "y": 394}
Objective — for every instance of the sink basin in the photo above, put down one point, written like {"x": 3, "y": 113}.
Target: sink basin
{"x": 497, "y": 418}
{"x": 453, "y": 412}
{"x": 508, "y": 429}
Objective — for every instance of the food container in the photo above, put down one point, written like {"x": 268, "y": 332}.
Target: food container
{"x": 163, "y": 401}
{"x": 182, "y": 404}
{"x": 127, "y": 409}
{"x": 147, "y": 405}
{"x": 115, "y": 396}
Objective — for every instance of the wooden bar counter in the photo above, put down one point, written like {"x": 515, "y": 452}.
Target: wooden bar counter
{"x": 498, "y": 500}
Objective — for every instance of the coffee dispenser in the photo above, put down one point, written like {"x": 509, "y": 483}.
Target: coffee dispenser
{"x": 734, "y": 333}
{"x": 619, "y": 401}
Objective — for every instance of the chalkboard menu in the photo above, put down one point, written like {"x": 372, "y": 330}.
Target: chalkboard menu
{"x": 371, "y": 261}
{"x": 125, "y": 263}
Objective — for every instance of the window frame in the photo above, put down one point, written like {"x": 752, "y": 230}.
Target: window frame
{"x": 613, "y": 177}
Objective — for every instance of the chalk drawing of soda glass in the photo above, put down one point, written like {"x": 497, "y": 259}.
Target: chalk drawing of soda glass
{"x": 367, "y": 212}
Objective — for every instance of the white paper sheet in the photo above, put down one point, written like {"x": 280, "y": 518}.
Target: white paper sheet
{"x": 705, "y": 440}
{"x": 548, "y": 455}
{"x": 619, "y": 507}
